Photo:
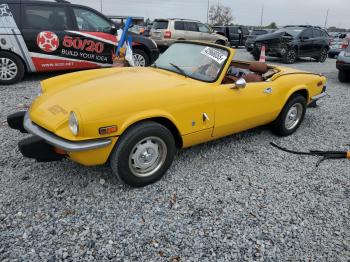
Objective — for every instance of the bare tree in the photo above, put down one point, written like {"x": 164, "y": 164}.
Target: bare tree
{"x": 220, "y": 15}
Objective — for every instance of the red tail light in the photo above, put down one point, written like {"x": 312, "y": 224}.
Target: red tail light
{"x": 167, "y": 34}
{"x": 345, "y": 44}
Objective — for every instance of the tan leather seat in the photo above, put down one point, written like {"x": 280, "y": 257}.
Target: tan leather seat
{"x": 258, "y": 68}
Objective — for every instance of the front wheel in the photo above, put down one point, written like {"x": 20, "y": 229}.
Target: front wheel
{"x": 291, "y": 116}
{"x": 290, "y": 56}
{"x": 143, "y": 154}
{"x": 11, "y": 68}
{"x": 323, "y": 55}
{"x": 140, "y": 58}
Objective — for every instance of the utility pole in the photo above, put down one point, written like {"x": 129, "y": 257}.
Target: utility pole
{"x": 262, "y": 16}
{"x": 208, "y": 11}
{"x": 325, "y": 22}
{"x": 101, "y": 5}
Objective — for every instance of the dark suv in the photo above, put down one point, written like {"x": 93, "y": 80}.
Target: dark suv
{"x": 236, "y": 34}
{"x": 292, "y": 42}
{"x": 39, "y": 36}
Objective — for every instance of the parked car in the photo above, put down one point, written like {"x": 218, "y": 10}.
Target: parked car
{"x": 292, "y": 42}
{"x": 236, "y": 35}
{"x": 197, "y": 96}
{"x": 249, "y": 44}
{"x": 338, "y": 44}
{"x": 343, "y": 65}
{"x": 167, "y": 31}
{"x": 40, "y": 36}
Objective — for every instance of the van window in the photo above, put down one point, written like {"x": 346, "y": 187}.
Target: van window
{"x": 179, "y": 25}
{"x": 190, "y": 26}
{"x": 317, "y": 33}
{"x": 90, "y": 21}
{"x": 160, "y": 24}
{"x": 203, "y": 28}
{"x": 233, "y": 30}
{"x": 45, "y": 17}
{"x": 307, "y": 34}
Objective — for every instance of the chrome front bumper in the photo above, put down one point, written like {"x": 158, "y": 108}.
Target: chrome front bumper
{"x": 61, "y": 143}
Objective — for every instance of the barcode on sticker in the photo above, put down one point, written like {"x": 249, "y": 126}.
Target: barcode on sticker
{"x": 214, "y": 54}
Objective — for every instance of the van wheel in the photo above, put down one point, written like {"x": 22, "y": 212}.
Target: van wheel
{"x": 291, "y": 116}
{"x": 143, "y": 154}
{"x": 11, "y": 68}
{"x": 140, "y": 58}
{"x": 220, "y": 42}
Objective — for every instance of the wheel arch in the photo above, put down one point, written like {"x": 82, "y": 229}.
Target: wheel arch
{"x": 144, "y": 49}
{"x": 26, "y": 69}
{"x": 301, "y": 90}
{"x": 163, "y": 119}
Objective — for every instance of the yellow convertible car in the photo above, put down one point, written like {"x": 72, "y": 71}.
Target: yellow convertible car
{"x": 135, "y": 118}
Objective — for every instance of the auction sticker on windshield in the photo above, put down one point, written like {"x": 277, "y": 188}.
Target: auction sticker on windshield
{"x": 215, "y": 54}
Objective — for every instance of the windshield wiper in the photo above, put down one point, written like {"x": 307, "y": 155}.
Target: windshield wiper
{"x": 179, "y": 69}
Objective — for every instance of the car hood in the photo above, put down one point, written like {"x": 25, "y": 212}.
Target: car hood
{"x": 113, "y": 89}
{"x": 273, "y": 36}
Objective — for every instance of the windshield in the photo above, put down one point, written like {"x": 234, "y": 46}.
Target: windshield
{"x": 196, "y": 61}
{"x": 293, "y": 31}
{"x": 258, "y": 32}
{"x": 160, "y": 24}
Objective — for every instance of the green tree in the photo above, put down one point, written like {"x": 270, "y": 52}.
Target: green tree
{"x": 271, "y": 26}
{"x": 220, "y": 15}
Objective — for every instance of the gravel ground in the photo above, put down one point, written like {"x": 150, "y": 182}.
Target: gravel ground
{"x": 232, "y": 199}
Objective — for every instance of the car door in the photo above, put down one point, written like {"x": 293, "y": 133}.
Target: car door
{"x": 93, "y": 38}
{"x": 233, "y": 35}
{"x": 192, "y": 32}
{"x": 306, "y": 43}
{"x": 43, "y": 28}
{"x": 317, "y": 42}
{"x": 238, "y": 109}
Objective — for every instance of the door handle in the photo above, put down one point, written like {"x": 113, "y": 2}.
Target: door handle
{"x": 268, "y": 90}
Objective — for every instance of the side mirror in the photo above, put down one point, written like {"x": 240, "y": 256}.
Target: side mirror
{"x": 240, "y": 83}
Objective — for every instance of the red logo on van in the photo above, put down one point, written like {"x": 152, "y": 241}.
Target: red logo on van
{"x": 47, "y": 41}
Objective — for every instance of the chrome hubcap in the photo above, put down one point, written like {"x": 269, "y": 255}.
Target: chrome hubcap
{"x": 139, "y": 60}
{"x": 293, "y": 116}
{"x": 147, "y": 156}
{"x": 8, "y": 69}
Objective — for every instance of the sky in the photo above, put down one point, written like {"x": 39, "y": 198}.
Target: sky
{"x": 283, "y": 12}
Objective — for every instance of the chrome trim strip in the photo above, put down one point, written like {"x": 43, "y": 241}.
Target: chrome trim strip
{"x": 319, "y": 96}
{"x": 64, "y": 144}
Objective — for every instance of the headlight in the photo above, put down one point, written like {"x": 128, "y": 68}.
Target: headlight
{"x": 73, "y": 123}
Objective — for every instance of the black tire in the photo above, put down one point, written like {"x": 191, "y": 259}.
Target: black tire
{"x": 279, "y": 126}
{"x": 13, "y": 65}
{"x": 323, "y": 55}
{"x": 124, "y": 165}
{"x": 140, "y": 58}
{"x": 220, "y": 42}
{"x": 343, "y": 76}
{"x": 290, "y": 56}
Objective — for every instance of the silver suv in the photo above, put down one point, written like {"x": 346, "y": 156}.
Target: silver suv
{"x": 166, "y": 31}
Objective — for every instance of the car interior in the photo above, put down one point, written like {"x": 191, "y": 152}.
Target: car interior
{"x": 250, "y": 72}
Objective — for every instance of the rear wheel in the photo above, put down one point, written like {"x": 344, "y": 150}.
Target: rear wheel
{"x": 290, "y": 56}
{"x": 343, "y": 76}
{"x": 140, "y": 58}
{"x": 11, "y": 68}
{"x": 143, "y": 154}
{"x": 291, "y": 116}
{"x": 220, "y": 42}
